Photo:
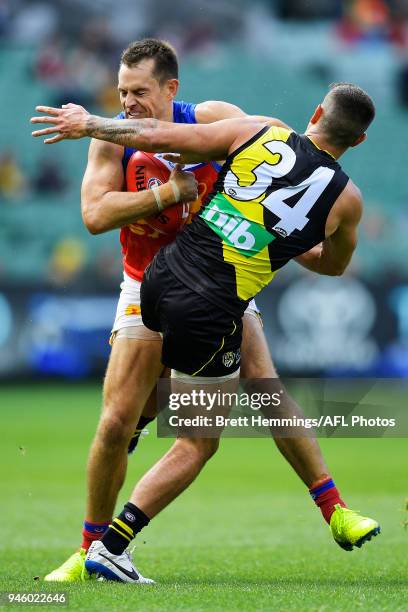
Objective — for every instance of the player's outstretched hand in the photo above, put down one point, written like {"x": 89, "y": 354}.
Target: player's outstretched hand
{"x": 69, "y": 121}
{"x": 186, "y": 183}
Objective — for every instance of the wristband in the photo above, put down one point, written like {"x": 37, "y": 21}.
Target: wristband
{"x": 157, "y": 197}
{"x": 176, "y": 190}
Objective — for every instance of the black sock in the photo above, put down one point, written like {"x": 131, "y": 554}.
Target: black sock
{"x": 124, "y": 528}
{"x": 143, "y": 421}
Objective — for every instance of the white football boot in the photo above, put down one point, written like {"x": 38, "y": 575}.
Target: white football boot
{"x": 104, "y": 564}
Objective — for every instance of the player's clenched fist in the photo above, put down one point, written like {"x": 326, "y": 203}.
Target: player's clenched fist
{"x": 70, "y": 121}
{"x": 186, "y": 183}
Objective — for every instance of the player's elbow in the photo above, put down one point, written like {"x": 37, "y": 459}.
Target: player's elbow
{"x": 93, "y": 229}
{"x": 336, "y": 269}
{"x": 91, "y": 221}
{"x": 337, "y": 272}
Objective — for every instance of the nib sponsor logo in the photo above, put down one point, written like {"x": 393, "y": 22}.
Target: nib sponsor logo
{"x": 245, "y": 236}
{"x": 233, "y": 228}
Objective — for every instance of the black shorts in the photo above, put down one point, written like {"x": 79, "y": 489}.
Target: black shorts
{"x": 199, "y": 338}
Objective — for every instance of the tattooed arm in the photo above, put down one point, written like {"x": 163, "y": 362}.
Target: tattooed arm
{"x": 72, "y": 121}
{"x": 210, "y": 141}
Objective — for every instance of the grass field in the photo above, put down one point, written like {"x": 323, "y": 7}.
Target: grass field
{"x": 245, "y": 536}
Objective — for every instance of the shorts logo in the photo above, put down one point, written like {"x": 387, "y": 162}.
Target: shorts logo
{"x": 133, "y": 309}
{"x": 153, "y": 182}
{"x": 238, "y": 356}
{"x": 130, "y": 517}
{"x": 228, "y": 359}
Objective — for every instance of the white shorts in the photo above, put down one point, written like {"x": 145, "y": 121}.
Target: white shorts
{"x": 128, "y": 313}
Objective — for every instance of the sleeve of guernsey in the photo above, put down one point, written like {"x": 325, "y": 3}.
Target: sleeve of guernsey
{"x": 184, "y": 112}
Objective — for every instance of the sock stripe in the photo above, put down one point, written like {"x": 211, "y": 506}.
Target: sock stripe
{"x": 95, "y": 528}
{"x": 319, "y": 490}
{"x": 120, "y": 533}
{"x": 124, "y": 528}
{"x": 123, "y": 525}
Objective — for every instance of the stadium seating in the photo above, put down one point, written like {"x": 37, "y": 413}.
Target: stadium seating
{"x": 288, "y": 90}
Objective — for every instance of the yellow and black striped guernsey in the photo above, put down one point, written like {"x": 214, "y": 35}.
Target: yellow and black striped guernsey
{"x": 269, "y": 204}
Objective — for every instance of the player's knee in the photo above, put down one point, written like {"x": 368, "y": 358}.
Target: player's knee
{"x": 114, "y": 430}
{"x": 207, "y": 447}
{"x": 198, "y": 449}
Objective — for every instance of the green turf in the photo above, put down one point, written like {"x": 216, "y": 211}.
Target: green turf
{"x": 246, "y": 536}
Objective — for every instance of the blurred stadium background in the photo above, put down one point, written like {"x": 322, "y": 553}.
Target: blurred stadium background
{"x": 58, "y": 284}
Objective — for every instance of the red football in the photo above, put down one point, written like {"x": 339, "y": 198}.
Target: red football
{"x": 145, "y": 171}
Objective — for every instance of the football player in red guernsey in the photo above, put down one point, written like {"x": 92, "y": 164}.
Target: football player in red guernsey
{"x": 148, "y": 83}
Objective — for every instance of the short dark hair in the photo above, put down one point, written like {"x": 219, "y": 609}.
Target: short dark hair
{"x": 165, "y": 57}
{"x": 348, "y": 111}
